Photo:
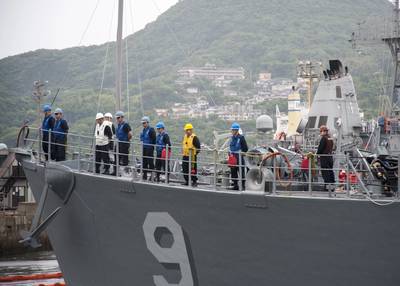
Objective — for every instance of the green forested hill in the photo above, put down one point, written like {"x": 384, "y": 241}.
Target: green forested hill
{"x": 260, "y": 35}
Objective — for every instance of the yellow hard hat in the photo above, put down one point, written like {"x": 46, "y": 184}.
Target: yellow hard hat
{"x": 188, "y": 126}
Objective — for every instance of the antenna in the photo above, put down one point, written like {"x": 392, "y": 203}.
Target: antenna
{"x": 309, "y": 70}
{"x": 393, "y": 42}
{"x": 118, "y": 72}
{"x": 391, "y": 37}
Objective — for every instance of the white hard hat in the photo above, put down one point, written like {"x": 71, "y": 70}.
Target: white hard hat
{"x": 108, "y": 114}
{"x": 99, "y": 115}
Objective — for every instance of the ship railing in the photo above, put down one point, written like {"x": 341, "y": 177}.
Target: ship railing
{"x": 285, "y": 172}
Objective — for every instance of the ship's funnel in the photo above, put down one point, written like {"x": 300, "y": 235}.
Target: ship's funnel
{"x": 336, "y": 67}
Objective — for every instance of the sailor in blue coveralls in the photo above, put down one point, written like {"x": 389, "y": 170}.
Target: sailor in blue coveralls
{"x": 124, "y": 135}
{"x": 162, "y": 142}
{"x": 237, "y": 145}
{"x": 60, "y": 136}
{"x": 47, "y": 127}
{"x": 148, "y": 138}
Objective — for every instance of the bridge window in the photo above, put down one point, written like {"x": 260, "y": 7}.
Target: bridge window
{"x": 338, "y": 92}
{"x": 311, "y": 122}
{"x": 322, "y": 120}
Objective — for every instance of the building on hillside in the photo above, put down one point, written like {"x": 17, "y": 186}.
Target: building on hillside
{"x": 264, "y": 76}
{"x": 161, "y": 112}
{"x": 221, "y": 77}
{"x": 230, "y": 92}
{"x": 192, "y": 90}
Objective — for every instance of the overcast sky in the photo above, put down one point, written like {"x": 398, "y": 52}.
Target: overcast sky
{"x": 27, "y": 25}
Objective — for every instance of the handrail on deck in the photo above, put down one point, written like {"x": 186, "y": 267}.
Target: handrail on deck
{"x": 212, "y": 166}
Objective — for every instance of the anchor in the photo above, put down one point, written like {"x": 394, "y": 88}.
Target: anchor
{"x": 60, "y": 180}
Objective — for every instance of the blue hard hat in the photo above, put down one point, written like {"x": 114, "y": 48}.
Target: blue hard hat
{"x": 46, "y": 107}
{"x": 145, "y": 119}
{"x": 58, "y": 110}
{"x": 235, "y": 126}
{"x": 119, "y": 114}
{"x": 160, "y": 125}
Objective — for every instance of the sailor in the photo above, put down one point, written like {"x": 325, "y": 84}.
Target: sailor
{"x": 237, "y": 145}
{"x": 47, "y": 126}
{"x": 381, "y": 123}
{"x": 103, "y": 135}
{"x": 161, "y": 150}
{"x": 325, "y": 149}
{"x": 148, "y": 139}
{"x": 60, "y": 135}
{"x": 190, "y": 149}
{"x": 108, "y": 120}
{"x": 124, "y": 135}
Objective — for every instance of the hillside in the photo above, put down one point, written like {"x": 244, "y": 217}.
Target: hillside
{"x": 259, "y": 35}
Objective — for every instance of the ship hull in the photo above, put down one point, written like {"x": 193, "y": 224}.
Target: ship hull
{"x": 103, "y": 236}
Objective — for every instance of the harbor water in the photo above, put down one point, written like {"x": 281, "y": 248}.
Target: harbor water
{"x": 28, "y": 264}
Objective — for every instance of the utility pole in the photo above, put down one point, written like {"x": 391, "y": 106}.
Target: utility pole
{"x": 309, "y": 71}
{"x": 118, "y": 72}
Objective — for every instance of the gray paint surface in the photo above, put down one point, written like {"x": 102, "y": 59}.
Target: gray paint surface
{"x": 99, "y": 238}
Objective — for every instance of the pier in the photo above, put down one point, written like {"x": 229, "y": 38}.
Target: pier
{"x": 17, "y": 206}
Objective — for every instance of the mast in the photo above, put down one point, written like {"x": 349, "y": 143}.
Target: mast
{"x": 393, "y": 42}
{"x": 309, "y": 71}
{"x": 118, "y": 72}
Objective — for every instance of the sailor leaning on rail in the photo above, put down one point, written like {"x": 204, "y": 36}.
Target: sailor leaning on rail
{"x": 190, "y": 149}
{"x": 325, "y": 149}
{"x": 103, "y": 135}
{"x": 237, "y": 145}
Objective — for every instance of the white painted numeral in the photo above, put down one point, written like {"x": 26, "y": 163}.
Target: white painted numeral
{"x": 176, "y": 254}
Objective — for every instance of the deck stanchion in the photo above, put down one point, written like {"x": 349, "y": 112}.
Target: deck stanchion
{"x": 133, "y": 159}
{"x": 310, "y": 175}
{"x": 141, "y": 163}
{"x": 117, "y": 157}
{"x": 240, "y": 172}
{"x": 79, "y": 153}
{"x": 40, "y": 144}
{"x": 348, "y": 174}
{"x": 274, "y": 179}
{"x": 94, "y": 156}
{"x": 190, "y": 168}
{"x": 215, "y": 168}
{"x": 166, "y": 163}
{"x": 398, "y": 175}
{"x": 48, "y": 147}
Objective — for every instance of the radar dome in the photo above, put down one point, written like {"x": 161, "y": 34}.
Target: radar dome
{"x": 264, "y": 123}
{"x": 3, "y": 147}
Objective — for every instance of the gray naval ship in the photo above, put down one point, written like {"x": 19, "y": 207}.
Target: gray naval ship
{"x": 122, "y": 230}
